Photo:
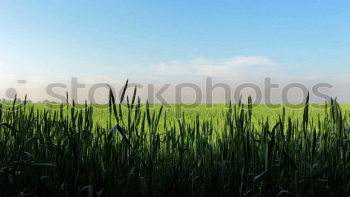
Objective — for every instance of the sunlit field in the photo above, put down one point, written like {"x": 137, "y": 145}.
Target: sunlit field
{"x": 261, "y": 113}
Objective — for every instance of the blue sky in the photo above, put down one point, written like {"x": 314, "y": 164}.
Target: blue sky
{"x": 126, "y": 37}
{"x": 144, "y": 39}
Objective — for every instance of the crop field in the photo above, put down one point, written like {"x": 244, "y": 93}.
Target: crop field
{"x": 260, "y": 113}
{"x": 138, "y": 149}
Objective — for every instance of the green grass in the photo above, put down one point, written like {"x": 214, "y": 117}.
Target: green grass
{"x": 142, "y": 150}
{"x": 260, "y": 114}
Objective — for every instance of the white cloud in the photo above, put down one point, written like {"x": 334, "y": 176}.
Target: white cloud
{"x": 234, "y": 71}
{"x": 214, "y": 67}
{"x": 173, "y": 68}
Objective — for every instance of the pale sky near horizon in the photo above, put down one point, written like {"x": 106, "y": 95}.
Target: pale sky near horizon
{"x": 174, "y": 41}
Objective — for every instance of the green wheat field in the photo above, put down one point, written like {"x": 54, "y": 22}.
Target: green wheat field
{"x": 138, "y": 149}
